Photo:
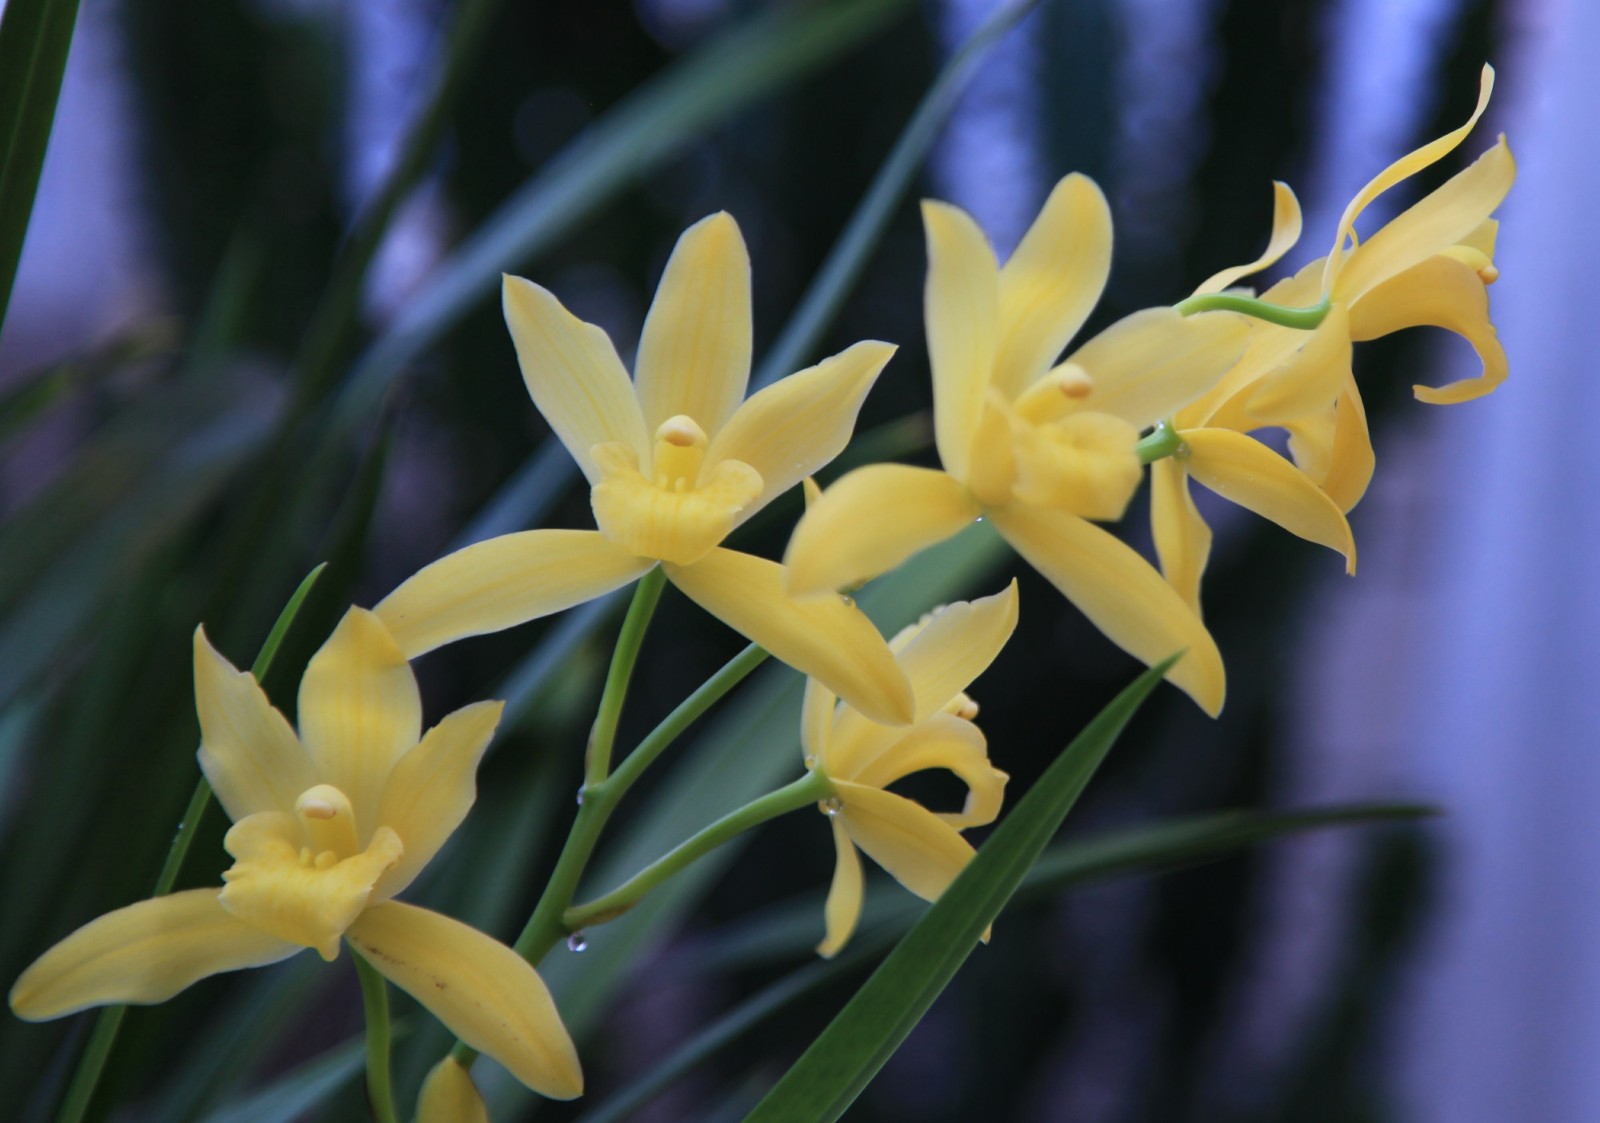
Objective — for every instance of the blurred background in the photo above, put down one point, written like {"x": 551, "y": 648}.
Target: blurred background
{"x": 256, "y": 326}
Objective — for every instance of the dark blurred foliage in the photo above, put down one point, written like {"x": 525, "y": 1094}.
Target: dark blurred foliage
{"x": 239, "y": 116}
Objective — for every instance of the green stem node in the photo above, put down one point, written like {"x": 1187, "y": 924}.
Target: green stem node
{"x": 1161, "y": 442}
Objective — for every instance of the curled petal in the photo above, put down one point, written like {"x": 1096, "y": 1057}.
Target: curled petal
{"x": 917, "y": 848}
{"x": 449, "y": 1096}
{"x": 249, "y": 754}
{"x": 432, "y": 788}
{"x": 942, "y": 741}
{"x": 826, "y": 637}
{"x": 694, "y": 354}
{"x": 484, "y": 993}
{"x": 502, "y": 582}
{"x": 359, "y": 711}
{"x": 1121, "y": 594}
{"x": 1182, "y": 538}
{"x": 1050, "y": 284}
{"x": 800, "y": 423}
{"x": 572, "y": 373}
{"x": 870, "y": 521}
{"x": 1440, "y": 292}
{"x": 1247, "y": 472}
{"x": 1286, "y": 226}
{"x": 142, "y": 954}
{"x": 843, "y": 909}
{"x": 961, "y": 309}
{"x": 1147, "y": 366}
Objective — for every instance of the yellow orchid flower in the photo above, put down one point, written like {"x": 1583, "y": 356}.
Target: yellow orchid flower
{"x": 327, "y": 828}
{"x": 1430, "y": 266}
{"x": 449, "y": 1096}
{"x": 924, "y": 851}
{"x": 676, "y": 460}
{"x": 1037, "y": 449}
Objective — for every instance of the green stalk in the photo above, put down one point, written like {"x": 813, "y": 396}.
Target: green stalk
{"x": 1304, "y": 319}
{"x": 813, "y": 787}
{"x": 1158, "y": 444}
{"x": 375, "y": 1001}
{"x": 103, "y": 1037}
{"x": 597, "y": 762}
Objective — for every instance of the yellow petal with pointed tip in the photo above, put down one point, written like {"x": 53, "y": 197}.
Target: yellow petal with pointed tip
{"x": 961, "y": 310}
{"x": 800, "y": 423}
{"x": 1405, "y": 167}
{"x": 484, "y": 993}
{"x": 144, "y": 953}
{"x": 1182, "y": 538}
{"x": 432, "y": 788}
{"x": 1437, "y": 221}
{"x": 449, "y": 1096}
{"x": 694, "y": 355}
{"x": 1247, "y": 472}
{"x": 502, "y": 582}
{"x": 843, "y": 908}
{"x": 1121, "y": 594}
{"x": 1440, "y": 292}
{"x": 572, "y": 373}
{"x": 1147, "y": 366}
{"x": 943, "y": 741}
{"x": 1286, "y": 226}
{"x": 954, "y": 645}
{"x": 827, "y": 637}
{"x": 870, "y": 521}
{"x": 916, "y": 847}
{"x": 359, "y": 711}
{"x": 249, "y": 754}
{"x": 1051, "y": 283}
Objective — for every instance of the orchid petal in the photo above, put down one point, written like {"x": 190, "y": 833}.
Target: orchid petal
{"x": 1051, "y": 283}
{"x": 573, "y": 374}
{"x": 795, "y": 426}
{"x": 816, "y": 719}
{"x": 694, "y": 354}
{"x": 449, "y": 1096}
{"x": 1147, "y": 366}
{"x": 484, "y": 993}
{"x": 1121, "y": 594}
{"x": 843, "y": 909}
{"x": 1286, "y": 227}
{"x": 249, "y": 754}
{"x": 826, "y": 637}
{"x": 1182, "y": 538}
{"x": 961, "y": 309}
{"x": 502, "y": 582}
{"x": 916, "y": 847}
{"x": 870, "y": 521}
{"x": 947, "y": 742}
{"x": 144, "y": 953}
{"x": 1307, "y": 381}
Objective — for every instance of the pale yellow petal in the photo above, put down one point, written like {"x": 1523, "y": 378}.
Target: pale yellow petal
{"x": 956, "y": 645}
{"x": 1147, "y": 366}
{"x": 916, "y": 847}
{"x": 1182, "y": 538}
{"x": 843, "y": 909}
{"x": 502, "y": 582}
{"x": 1307, "y": 380}
{"x": 1247, "y": 472}
{"x": 816, "y": 718}
{"x": 870, "y": 521}
{"x": 359, "y": 711}
{"x": 942, "y": 741}
{"x": 1334, "y": 448}
{"x": 249, "y": 754}
{"x": 795, "y": 426}
{"x": 1405, "y": 167}
{"x": 1121, "y": 594}
{"x": 432, "y": 788}
{"x": 1286, "y": 226}
{"x": 961, "y": 308}
{"x": 572, "y": 373}
{"x": 141, "y": 954}
{"x": 827, "y": 637}
{"x": 1050, "y": 284}
{"x": 484, "y": 993}
{"x": 1439, "y": 292}
{"x": 694, "y": 355}
{"x": 449, "y": 1096}
{"x": 1439, "y": 220}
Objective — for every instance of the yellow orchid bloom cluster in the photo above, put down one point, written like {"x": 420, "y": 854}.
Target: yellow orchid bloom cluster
{"x": 328, "y": 827}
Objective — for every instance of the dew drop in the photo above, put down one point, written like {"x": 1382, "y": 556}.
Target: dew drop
{"x": 577, "y": 942}
{"x": 831, "y": 807}
{"x": 811, "y": 762}
{"x": 580, "y": 797}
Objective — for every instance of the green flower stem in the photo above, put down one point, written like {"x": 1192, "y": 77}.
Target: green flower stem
{"x": 108, "y": 1023}
{"x": 597, "y": 763}
{"x": 1161, "y": 442}
{"x": 375, "y": 998}
{"x": 813, "y": 787}
{"x": 1302, "y": 318}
